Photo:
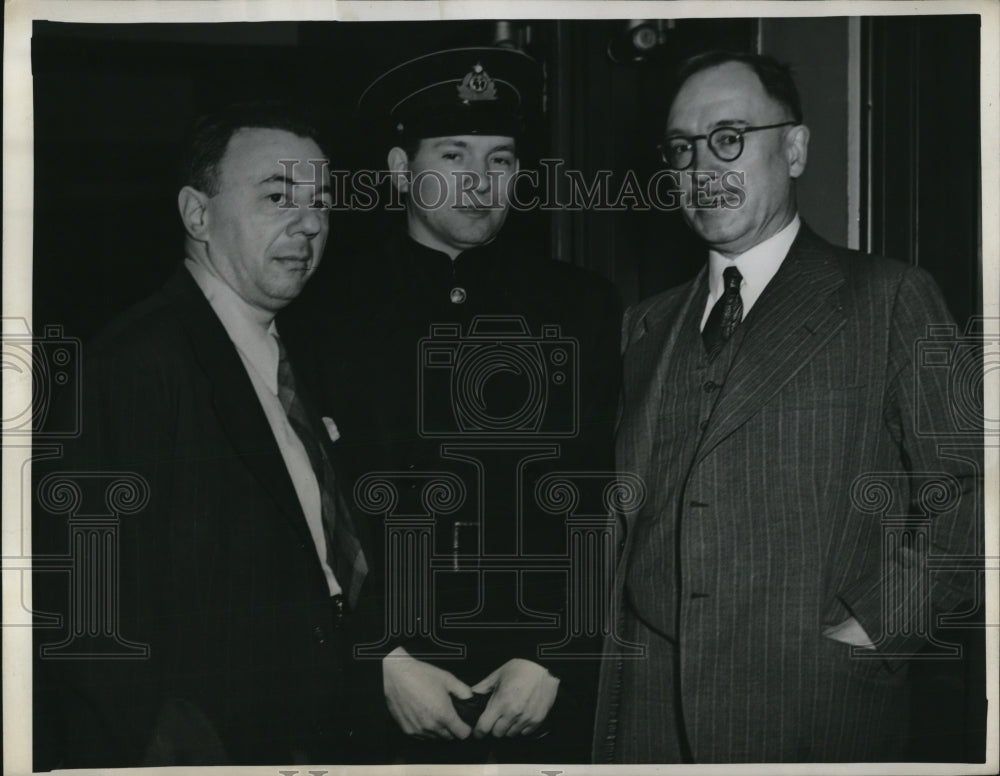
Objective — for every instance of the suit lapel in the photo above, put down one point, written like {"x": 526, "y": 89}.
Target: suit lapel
{"x": 796, "y": 315}
{"x": 648, "y": 350}
{"x": 235, "y": 400}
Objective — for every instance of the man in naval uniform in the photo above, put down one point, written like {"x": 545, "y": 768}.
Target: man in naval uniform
{"x": 454, "y": 122}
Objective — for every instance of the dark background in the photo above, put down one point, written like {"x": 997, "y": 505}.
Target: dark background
{"x": 111, "y": 103}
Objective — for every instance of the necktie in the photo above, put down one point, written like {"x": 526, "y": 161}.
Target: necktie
{"x": 343, "y": 550}
{"x": 726, "y": 315}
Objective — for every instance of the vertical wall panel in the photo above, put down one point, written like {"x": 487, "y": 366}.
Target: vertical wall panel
{"x": 817, "y": 51}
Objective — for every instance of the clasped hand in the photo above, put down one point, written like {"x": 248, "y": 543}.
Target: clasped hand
{"x": 419, "y": 698}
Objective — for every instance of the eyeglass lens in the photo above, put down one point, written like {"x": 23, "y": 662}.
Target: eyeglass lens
{"x": 726, "y": 143}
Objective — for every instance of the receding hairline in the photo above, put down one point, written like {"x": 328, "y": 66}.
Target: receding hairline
{"x": 776, "y": 77}
{"x": 241, "y": 132}
{"x": 210, "y": 135}
{"x": 785, "y": 109}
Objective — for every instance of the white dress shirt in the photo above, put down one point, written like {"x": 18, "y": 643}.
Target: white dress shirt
{"x": 757, "y": 266}
{"x": 253, "y": 333}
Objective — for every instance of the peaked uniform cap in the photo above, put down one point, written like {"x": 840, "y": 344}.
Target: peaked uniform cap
{"x": 465, "y": 91}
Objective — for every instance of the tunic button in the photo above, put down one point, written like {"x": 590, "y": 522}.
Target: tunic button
{"x": 457, "y": 295}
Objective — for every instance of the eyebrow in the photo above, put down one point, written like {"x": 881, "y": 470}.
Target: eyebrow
{"x": 449, "y": 141}
{"x": 453, "y": 141}
{"x": 286, "y": 181}
{"x": 713, "y": 125}
{"x": 730, "y": 123}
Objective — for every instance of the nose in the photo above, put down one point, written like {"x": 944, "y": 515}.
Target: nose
{"x": 309, "y": 220}
{"x": 703, "y": 156}
{"x": 696, "y": 147}
{"x": 481, "y": 172}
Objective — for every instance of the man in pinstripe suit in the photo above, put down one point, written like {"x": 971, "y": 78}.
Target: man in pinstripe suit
{"x": 763, "y": 402}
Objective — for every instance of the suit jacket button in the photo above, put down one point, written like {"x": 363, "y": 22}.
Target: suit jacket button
{"x": 319, "y": 635}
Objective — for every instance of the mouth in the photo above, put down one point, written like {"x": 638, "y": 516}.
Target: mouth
{"x": 709, "y": 202}
{"x": 295, "y": 262}
{"x": 476, "y": 210}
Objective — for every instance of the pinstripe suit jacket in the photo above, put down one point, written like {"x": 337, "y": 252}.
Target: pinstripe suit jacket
{"x": 818, "y": 431}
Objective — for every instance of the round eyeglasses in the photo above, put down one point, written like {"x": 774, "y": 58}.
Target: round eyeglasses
{"x": 725, "y": 142}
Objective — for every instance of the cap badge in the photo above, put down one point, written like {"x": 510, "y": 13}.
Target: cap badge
{"x": 477, "y": 85}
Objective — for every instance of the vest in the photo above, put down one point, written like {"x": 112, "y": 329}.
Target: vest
{"x": 689, "y": 393}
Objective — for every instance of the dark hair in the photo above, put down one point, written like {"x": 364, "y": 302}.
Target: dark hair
{"x": 209, "y": 137}
{"x": 775, "y": 77}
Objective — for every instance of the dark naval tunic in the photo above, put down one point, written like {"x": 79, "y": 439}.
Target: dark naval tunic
{"x": 486, "y": 374}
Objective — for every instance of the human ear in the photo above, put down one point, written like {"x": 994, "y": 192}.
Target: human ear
{"x": 399, "y": 167}
{"x": 797, "y": 149}
{"x": 193, "y": 207}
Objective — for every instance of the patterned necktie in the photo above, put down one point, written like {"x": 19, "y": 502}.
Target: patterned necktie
{"x": 343, "y": 550}
{"x": 725, "y": 316}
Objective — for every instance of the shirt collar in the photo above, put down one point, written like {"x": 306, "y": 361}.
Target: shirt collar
{"x": 757, "y": 265}
{"x": 252, "y": 331}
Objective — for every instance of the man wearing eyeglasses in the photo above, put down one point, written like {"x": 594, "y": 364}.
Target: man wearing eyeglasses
{"x": 764, "y": 403}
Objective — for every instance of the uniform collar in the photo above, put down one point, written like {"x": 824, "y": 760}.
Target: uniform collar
{"x": 476, "y": 253}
